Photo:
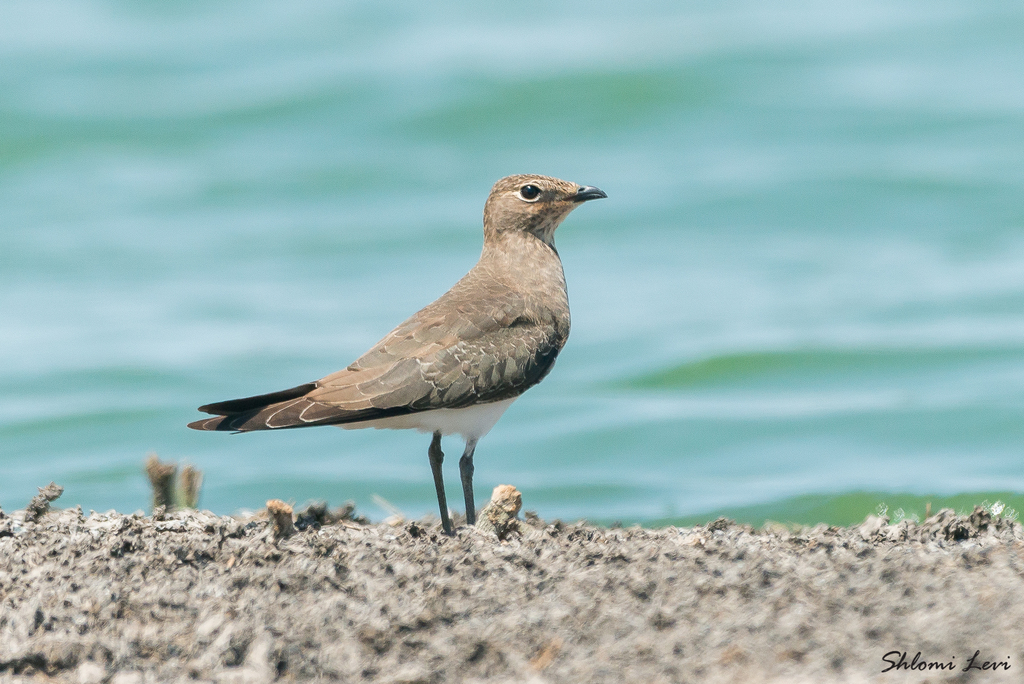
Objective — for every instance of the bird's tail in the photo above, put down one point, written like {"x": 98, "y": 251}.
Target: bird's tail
{"x": 237, "y": 415}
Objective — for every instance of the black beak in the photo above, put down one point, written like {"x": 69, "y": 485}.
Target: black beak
{"x": 588, "y": 192}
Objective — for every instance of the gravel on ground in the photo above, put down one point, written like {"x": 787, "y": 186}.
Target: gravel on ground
{"x": 193, "y": 596}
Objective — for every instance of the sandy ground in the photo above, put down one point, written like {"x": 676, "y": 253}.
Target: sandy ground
{"x": 192, "y": 596}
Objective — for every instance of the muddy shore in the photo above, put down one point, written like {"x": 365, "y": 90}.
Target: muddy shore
{"x": 191, "y": 596}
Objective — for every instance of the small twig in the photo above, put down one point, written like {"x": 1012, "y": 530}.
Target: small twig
{"x": 281, "y": 517}
{"x": 189, "y": 484}
{"x": 547, "y": 655}
{"x": 499, "y": 515}
{"x": 161, "y": 478}
{"x": 386, "y": 505}
{"x": 40, "y": 503}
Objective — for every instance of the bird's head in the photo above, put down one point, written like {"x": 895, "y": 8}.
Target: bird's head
{"x": 533, "y": 204}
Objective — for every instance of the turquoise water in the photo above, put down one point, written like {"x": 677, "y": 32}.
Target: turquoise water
{"x": 807, "y": 281}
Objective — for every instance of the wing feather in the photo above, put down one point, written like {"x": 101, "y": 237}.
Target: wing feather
{"x": 453, "y": 353}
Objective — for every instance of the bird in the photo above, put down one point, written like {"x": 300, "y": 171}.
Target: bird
{"x": 456, "y": 365}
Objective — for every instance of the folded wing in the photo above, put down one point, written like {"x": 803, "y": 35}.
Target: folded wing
{"x": 429, "y": 362}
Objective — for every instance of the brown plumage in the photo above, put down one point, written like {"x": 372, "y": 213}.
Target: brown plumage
{"x": 487, "y": 340}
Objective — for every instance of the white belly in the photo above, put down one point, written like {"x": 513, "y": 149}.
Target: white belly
{"x": 472, "y": 422}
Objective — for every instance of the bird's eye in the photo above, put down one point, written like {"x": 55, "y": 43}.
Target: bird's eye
{"x": 529, "y": 192}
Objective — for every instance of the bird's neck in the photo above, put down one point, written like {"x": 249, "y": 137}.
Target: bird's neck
{"x": 531, "y": 263}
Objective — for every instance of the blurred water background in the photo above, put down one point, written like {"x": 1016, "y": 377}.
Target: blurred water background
{"x": 803, "y": 296}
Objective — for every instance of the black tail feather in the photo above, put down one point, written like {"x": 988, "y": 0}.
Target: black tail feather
{"x": 246, "y": 404}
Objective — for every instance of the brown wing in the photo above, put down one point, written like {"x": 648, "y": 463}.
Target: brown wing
{"x": 478, "y": 351}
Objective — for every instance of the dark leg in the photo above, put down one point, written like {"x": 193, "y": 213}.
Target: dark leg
{"x": 466, "y": 469}
{"x": 436, "y": 458}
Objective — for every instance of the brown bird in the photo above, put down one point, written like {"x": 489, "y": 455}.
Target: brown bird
{"x": 457, "y": 364}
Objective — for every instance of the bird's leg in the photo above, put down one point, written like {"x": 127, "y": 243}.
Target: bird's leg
{"x": 436, "y": 458}
{"x": 466, "y": 470}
